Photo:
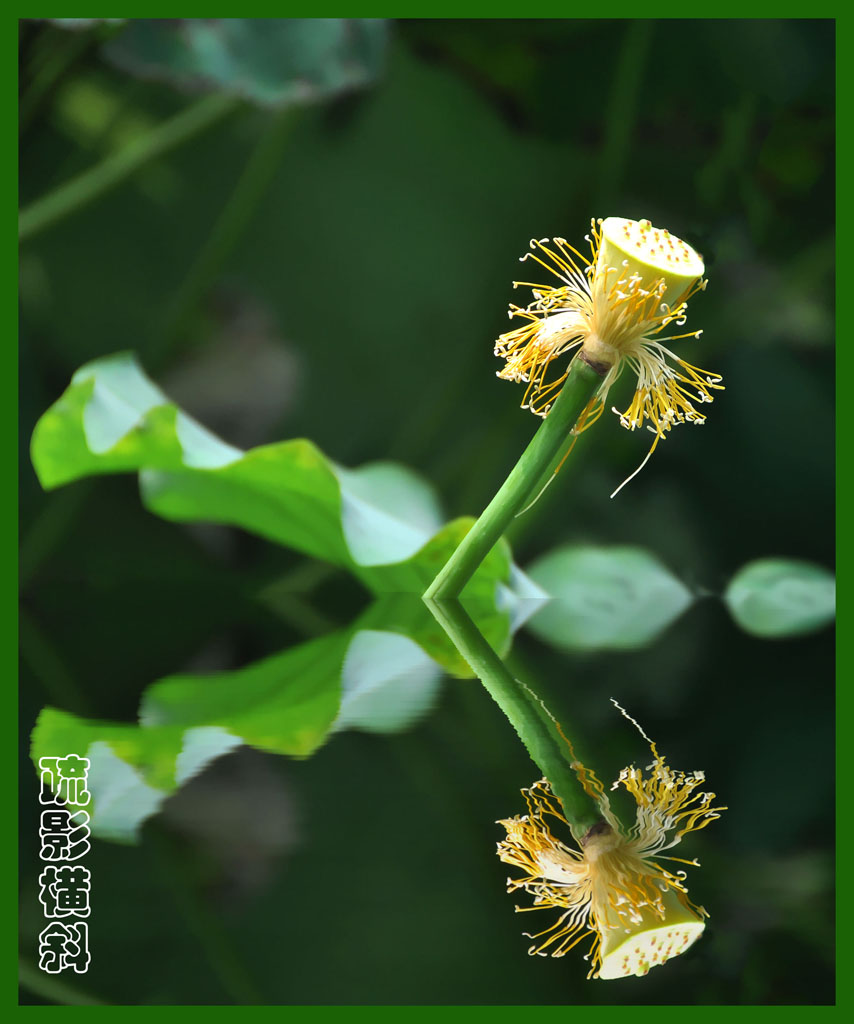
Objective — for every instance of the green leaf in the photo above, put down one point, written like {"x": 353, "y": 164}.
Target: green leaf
{"x": 271, "y": 61}
{"x": 777, "y": 597}
{"x": 112, "y": 418}
{"x": 374, "y": 536}
{"x": 605, "y": 598}
{"x": 414, "y": 575}
{"x": 379, "y": 521}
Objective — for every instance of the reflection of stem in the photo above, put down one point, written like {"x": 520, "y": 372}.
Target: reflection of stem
{"x": 537, "y": 729}
{"x": 49, "y": 528}
{"x": 201, "y": 920}
{"x": 289, "y": 596}
{"x": 576, "y": 393}
{"x": 41, "y": 658}
{"x": 430, "y": 775}
{"x": 80, "y": 191}
{"x": 49, "y": 987}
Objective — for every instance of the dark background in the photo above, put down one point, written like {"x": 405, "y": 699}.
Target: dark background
{"x": 356, "y": 303}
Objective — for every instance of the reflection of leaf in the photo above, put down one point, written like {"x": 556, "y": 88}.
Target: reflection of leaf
{"x": 284, "y": 704}
{"x": 409, "y": 616}
{"x": 272, "y": 61}
{"x": 387, "y": 683}
{"x": 605, "y": 598}
{"x": 290, "y": 703}
{"x": 379, "y": 521}
{"x": 781, "y": 597}
{"x": 131, "y": 770}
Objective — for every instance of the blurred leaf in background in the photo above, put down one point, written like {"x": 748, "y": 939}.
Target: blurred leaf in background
{"x": 778, "y": 597}
{"x": 615, "y": 598}
{"x": 272, "y": 61}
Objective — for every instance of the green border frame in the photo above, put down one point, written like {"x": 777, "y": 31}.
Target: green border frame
{"x": 845, "y": 504}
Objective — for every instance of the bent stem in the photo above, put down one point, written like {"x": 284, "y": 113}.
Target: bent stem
{"x": 537, "y": 729}
{"x": 580, "y": 387}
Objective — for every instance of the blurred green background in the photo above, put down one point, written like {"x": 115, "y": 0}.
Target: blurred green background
{"x": 339, "y": 270}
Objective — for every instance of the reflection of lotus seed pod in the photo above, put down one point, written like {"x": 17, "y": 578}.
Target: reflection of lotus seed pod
{"x": 652, "y": 941}
{"x": 615, "y": 888}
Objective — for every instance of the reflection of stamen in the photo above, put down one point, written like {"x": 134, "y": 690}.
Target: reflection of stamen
{"x": 614, "y": 888}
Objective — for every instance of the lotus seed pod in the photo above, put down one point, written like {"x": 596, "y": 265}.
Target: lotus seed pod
{"x": 637, "y": 249}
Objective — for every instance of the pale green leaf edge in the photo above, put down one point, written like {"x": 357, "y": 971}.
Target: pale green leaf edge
{"x": 113, "y": 419}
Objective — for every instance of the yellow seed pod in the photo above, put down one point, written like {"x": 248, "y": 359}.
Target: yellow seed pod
{"x": 635, "y": 249}
{"x": 632, "y": 949}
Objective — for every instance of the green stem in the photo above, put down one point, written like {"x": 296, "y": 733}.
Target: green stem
{"x": 75, "y": 194}
{"x": 534, "y": 725}
{"x": 226, "y": 232}
{"x": 580, "y": 386}
{"x": 621, "y": 115}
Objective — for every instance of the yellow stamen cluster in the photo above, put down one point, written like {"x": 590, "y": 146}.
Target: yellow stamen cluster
{"x": 613, "y": 889}
{"x": 611, "y": 309}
